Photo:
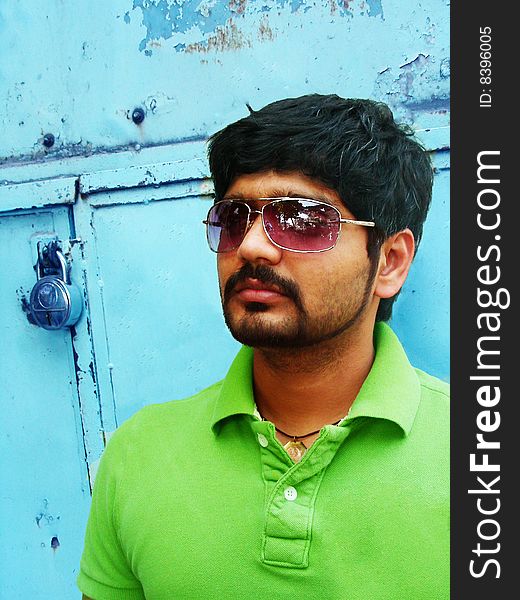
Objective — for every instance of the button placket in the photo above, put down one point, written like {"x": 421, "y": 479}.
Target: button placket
{"x": 291, "y": 491}
{"x": 274, "y": 464}
{"x": 288, "y": 527}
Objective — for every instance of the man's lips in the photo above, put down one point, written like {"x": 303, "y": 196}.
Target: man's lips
{"x": 254, "y": 290}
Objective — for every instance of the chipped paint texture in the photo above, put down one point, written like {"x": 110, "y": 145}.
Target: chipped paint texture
{"x": 194, "y": 64}
{"x": 210, "y": 20}
{"x": 407, "y": 87}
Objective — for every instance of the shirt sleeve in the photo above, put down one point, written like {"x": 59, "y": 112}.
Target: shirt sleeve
{"x": 105, "y": 572}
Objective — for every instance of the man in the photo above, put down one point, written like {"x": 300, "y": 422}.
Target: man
{"x": 318, "y": 468}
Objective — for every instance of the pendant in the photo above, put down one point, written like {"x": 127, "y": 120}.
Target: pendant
{"x": 295, "y": 450}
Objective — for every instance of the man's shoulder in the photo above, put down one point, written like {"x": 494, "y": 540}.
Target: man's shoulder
{"x": 197, "y": 401}
{"x": 157, "y": 433}
{"x": 173, "y": 415}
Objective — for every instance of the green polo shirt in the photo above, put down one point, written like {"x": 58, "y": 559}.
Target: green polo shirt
{"x": 197, "y": 498}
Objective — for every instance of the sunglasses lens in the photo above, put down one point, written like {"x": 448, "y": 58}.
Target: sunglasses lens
{"x": 226, "y": 225}
{"x": 304, "y": 225}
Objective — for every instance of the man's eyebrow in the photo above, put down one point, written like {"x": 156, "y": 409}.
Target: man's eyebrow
{"x": 282, "y": 193}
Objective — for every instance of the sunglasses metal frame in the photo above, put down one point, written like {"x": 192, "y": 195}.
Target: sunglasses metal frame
{"x": 261, "y": 213}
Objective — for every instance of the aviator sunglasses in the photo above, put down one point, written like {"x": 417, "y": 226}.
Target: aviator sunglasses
{"x": 295, "y": 224}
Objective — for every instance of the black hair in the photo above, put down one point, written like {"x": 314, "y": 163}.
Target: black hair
{"x": 353, "y": 146}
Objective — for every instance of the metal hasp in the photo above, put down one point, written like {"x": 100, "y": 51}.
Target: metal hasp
{"x": 55, "y": 302}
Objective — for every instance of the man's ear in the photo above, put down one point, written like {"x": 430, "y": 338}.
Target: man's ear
{"x": 394, "y": 263}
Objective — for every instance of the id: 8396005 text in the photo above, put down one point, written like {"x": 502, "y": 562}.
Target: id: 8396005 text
{"x": 485, "y": 67}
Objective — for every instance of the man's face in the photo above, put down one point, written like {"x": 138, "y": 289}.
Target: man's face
{"x": 278, "y": 298}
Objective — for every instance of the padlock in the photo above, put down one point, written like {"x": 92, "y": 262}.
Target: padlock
{"x": 55, "y": 302}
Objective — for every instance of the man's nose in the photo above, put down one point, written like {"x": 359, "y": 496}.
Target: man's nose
{"x": 256, "y": 246}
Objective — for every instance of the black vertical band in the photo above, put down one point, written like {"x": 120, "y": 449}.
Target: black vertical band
{"x": 483, "y": 330}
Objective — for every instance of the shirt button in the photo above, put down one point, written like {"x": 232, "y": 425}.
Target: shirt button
{"x": 262, "y": 440}
{"x": 290, "y": 493}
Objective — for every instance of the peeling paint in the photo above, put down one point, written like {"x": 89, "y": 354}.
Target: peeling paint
{"x": 432, "y": 104}
{"x": 372, "y": 8}
{"x": 417, "y": 61}
{"x": 165, "y": 18}
{"x": 408, "y": 88}
{"x": 92, "y": 372}
{"x": 44, "y": 517}
{"x": 77, "y": 369}
{"x": 237, "y": 6}
{"x": 295, "y": 5}
{"x": 264, "y": 30}
{"x": 228, "y": 37}
{"x": 201, "y": 26}
{"x": 375, "y": 8}
{"x": 22, "y": 297}
{"x": 409, "y": 72}
{"x": 205, "y": 7}
{"x": 444, "y": 70}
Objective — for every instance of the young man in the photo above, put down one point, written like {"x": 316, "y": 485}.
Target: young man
{"x": 318, "y": 468}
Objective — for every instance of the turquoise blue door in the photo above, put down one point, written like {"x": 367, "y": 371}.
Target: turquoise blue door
{"x": 106, "y": 108}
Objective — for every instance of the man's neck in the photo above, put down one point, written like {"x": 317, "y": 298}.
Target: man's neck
{"x": 303, "y": 389}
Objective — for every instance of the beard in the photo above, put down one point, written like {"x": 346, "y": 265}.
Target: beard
{"x": 298, "y": 329}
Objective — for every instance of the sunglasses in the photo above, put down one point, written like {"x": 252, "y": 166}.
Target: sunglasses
{"x": 295, "y": 224}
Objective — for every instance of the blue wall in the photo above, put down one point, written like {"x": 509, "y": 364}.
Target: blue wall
{"x": 133, "y": 197}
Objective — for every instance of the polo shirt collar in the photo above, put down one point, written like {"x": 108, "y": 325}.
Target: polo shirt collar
{"x": 391, "y": 390}
{"x": 236, "y": 394}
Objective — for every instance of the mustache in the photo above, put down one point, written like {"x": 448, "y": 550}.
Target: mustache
{"x": 266, "y": 275}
